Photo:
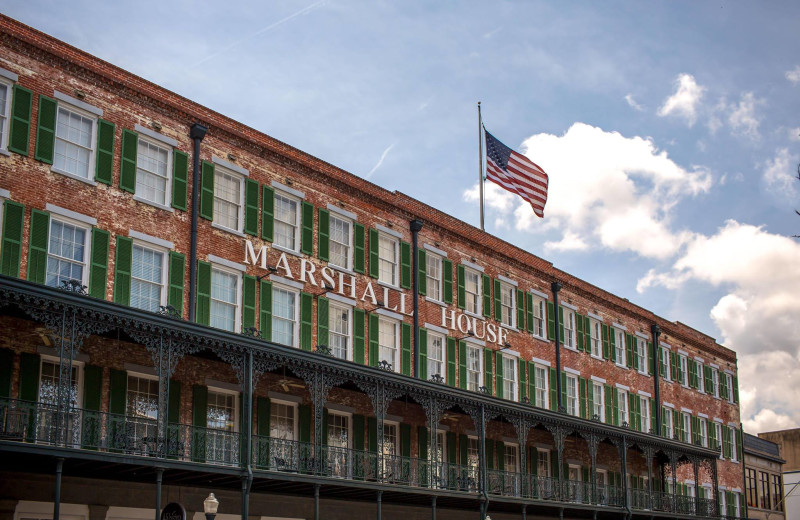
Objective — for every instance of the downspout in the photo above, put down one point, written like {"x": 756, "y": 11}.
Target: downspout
{"x": 484, "y": 494}
{"x": 197, "y": 132}
{"x": 655, "y": 330}
{"x": 557, "y": 287}
{"x": 416, "y": 226}
{"x": 628, "y": 512}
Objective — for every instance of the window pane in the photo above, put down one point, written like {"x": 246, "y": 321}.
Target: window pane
{"x": 340, "y": 242}
{"x": 224, "y": 300}
{"x": 281, "y": 421}
{"x": 151, "y": 172}
{"x": 221, "y": 411}
{"x": 434, "y": 277}
{"x": 146, "y": 278}
{"x": 227, "y": 199}
{"x": 66, "y": 251}
{"x": 286, "y": 222}
{"x": 387, "y": 259}
{"x": 284, "y": 316}
{"x": 339, "y": 331}
{"x": 73, "y": 143}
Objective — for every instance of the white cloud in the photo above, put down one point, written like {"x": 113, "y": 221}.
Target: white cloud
{"x": 743, "y": 119}
{"x": 794, "y": 134}
{"x": 769, "y": 391}
{"x": 494, "y": 197}
{"x": 570, "y": 242}
{"x": 780, "y": 173}
{"x": 632, "y": 103}
{"x": 794, "y": 75}
{"x": 684, "y": 102}
{"x": 380, "y": 160}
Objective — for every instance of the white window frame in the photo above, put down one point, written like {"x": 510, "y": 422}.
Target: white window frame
{"x": 349, "y": 257}
{"x": 512, "y": 379}
{"x": 601, "y": 401}
{"x": 509, "y": 447}
{"x": 683, "y": 365}
{"x": 729, "y": 379}
{"x": 384, "y": 321}
{"x": 734, "y": 446}
{"x": 718, "y": 428}
{"x": 669, "y": 424}
{"x": 225, "y": 391}
{"x": 704, "y": 432}
{"x": 5, "y": 120}
{"x": 715, "y": 382}
{"x": 87, "y": 240}
{"x": 395, "y": 262}
{"x": 686, "y": 418}
{"x": 701, "y": 383}
{"x": 508, "y": 290}
{"x": 349, "y": 416}
{"x": 478, "y": 295}
{"x": 432, "y": 337}
{"x": 164, "y": 268}
{"x": 396, "y": 426}
{"x": 644, "y": 405}
{"x": 237, "y": 312}
{"x": 543, "y": 454}
{"x": 334, "y": 305}
{"x": 139, "y": 375}
{"x": 573, "y": 401}
{"x": 546, "y": 389}
{"x": 295, "y": 320}
{"x": 295, "y": 418}
{"x": 90, "y": 168}
{"x": 475, "y": 348}
{"x": 596, "y": 335}
{"x": 641, "y": 351}
{"x": 619, "y": 345}
{"x": 222, "y": 170}
{"x": 473, "y": 465}
{"x": 622, "y": 407}
{"x": 433, "y": 281}
{"x": 569, "y": 329}
{"x": 540, "y": 317}
{"x": 78, "y": 365}
{"x": 665, "y": 362}
{"x": 168, "y": 190}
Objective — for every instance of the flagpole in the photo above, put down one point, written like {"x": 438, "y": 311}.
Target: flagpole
{"x": 480, "y": 159}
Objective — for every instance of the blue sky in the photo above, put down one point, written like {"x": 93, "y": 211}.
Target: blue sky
{"x": 669, "y": 131}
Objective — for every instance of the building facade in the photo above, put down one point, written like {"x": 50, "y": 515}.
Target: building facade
{"x": 763, "y": 478}
{"x": 788, "y": 442}
{"x": 192, "y": 306}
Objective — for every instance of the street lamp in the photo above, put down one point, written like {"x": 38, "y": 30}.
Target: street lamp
{"x": 210, "y": 506}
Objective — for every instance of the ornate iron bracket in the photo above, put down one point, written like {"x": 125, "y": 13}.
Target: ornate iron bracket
{"x": 73, "y": 286}
{"x": 169, "y": 311}
{"x": 436, "y": 378}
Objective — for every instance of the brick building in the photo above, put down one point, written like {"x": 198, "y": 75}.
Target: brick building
{"x": 191, "y": 306}
{"x": 788, "y": 442}
{"x": 762, "y": 476}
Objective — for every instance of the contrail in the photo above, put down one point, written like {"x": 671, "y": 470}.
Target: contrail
{"x": 261, "y": 31}
{"x": 380, "y": 161}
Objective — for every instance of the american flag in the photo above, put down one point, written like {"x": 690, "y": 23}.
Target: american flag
{"x": 516, "y": 173}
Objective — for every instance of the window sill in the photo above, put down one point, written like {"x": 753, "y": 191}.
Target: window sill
{"x": 511, "y": 328}
{"x": 437, "y": 302}
{"x": 3, "y": 151}
{"x": 279, "y": 248}
{"x": 593, "y": 356}
{"x": 154, "y": 204}
{"x": 223, "y": 228}
{"x": 475, "y": 315}
{"x": 643, "y": 373}
{"x": 568, "y": 347}
{"x": 90, "y": 182}
{"x": 389, "y": 285}
{"x": 621, "y": 366}
{"x": 341, "y": 269}
{"x": 541, "y": 338}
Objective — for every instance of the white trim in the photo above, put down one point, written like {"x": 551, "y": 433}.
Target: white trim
{"x": 5, "y": 194}
{"x": 436, "y": 328}
{"x": 701, "y": 414}
{"x": 151, "y": 239}
{"x": 733, "y": 425}
{"x": 540, "y": 361}
{"x": 139, "y": 198}
{"x": 434, "y": 250}
{"x": 152, "y": 134}
{"x": 717, "y": 419}
{"x": 9, "y": 75}
{"x": 594, "y": 316}
{"x": 598, "y": 379}
{"x": 389, "y": 314}
{"x": 623, "y": 387}
{"x": 687, "y": 410}
{"x": 334, "y": 407}
{"x": 476, "y": 341}
{"x": 714, "y": 365}
{"x": 214, "y": 259}
{"x": 77, "y": 103}
{"x": 701, "y": 360}
{"x": 507, "y": 280}
{"x": 739, "y": 490}
{"x": 437, "y": 302}
{"x": 140, "y": 369}
{"x": 509, "y": 352}
{"x": 646, "y": 394}
{"x": 287, "y": 398}
{"x": 286, "y": 281}
{"x": 230, "y": 166}
{"x": 543, "y": 447}
{"x": 222, "y": 385}
{"x": 729, "y": 372}
{"x": 665, "y": 345}
{"x": 336, "y": 297}
{"x": 683, "y": 353}
{"x": 572, "y": 371}
{"x": 472, "y": 266}
{"x": 343, "y": 212}
{"x": 641, "y": 335}
{"x": 538, "y": 293}
{"x": 297, "y": 193}
{"x": 51, "y": 352}
{"x": 619, "y": 326}
{"x": 389, "y": 231}
{"x": 669, "y": 405}
{"x": 224, "y": 228}
{"x": 569, "y": 306}
{"x": 52, "y": 208}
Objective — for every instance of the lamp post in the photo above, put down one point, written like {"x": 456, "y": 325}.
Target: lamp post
{"x": 210, "y": 506}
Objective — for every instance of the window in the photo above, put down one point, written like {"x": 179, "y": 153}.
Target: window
{"x": 718, "y": 428}
{"x": 388, "y": 332}
{"x": 142, "y": 397}
{"x": 472, "y": 452}
{"x": 644, "y": 406}
{"x": 441, "y": 447}
{"x": 472, "y": 291}
{"x": 602, "y": 483}
{"x": 5, "y": 110}
{"x": 473, "y": 368}
{"x": 622, "y": 400}
{"x": 700, "y": 378}
{"x": 729, "y": 380}
{"x": 572, "y": 394}
{"x": 668, "y": 426}
{"x": 751, "y": 488}
{"x": 734, "y": 450}
{"x": 338, "y": 444}
{"x": 284, "y": 316}
{"x": 714, "y": 382}
{"x": 765, "y": 496}
{"x": 538, "y": 317}
{"x": 153, "y": 172}
{"x": 221, "y": 411}
{"x": 74, "y": 141}
{"x": 507, "y": 304}
{"x": 67, "y": 252}
{"x": 390, "y": 439}
{"x": 543, "y": 463}
{"x": 599, "y": 404}
{"x": 341, "y": 242}
{"x": 435, "y": 354}
{"x": 595, "y": 333}
{"x": 510, "y": 377}
{"x": 388, "y": 251}
{"x": 703, "y": 432}
{"x": 665, "y": 363}
{"x": 339, "y": 330}
{"x": 777, "y": 499}
{"x": 511, "y": 458}
{"x": 287, "y": 221}
{"x": 48, "y": 384}
{"x": 687, "y": 427}
{"x": 620, "y": 346}
{"x": 569, "y": 329}
{"x": 641, "y": 349}
{"x": 147, "y": 278}
{"x": 224, "y": 299}
{"x": 683, "y": 369}
{"x": 229, "y": 200}
{"x": 541, "y": 386}
{"x": 433, "y": 273}
{"x": 282, "y": 421}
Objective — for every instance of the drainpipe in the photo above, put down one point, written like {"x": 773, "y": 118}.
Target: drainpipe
{"x": 655, "y": 330}
{"x": 197, "y": 132}
{"x": 416, "y": 226}
{"x": 557, "y": 287}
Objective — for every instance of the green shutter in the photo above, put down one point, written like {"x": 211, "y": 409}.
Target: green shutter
{"x": 29, "y": 369}
{"x": 606, "y": 346}
{"x": 661, "y": 370}
{"x": 462, "y": 294}
{"x": 653, "y": 417}
{"x": 632, "y": 398}
{"x": 462, "y": 364}
{"x": 323, "y": 247}
{"x": 373, "y": 339}
{"x": 423, "y": 354}
{"x": 11, "y": 247}
{"x": 422, "y": 269}
{"x": 203, "y": 300}
{"x": 487, "y": 297}
{"x": 358, "y": 247}
{"x": 628, "y": 351}
{"x": 451, "y": 361}
{"x": 447, "y": 280}
{"x": 248, "y": 301}
{"x": 489, "y": 453}
{"x": 6, "y": 369}
{"x": 488, "y": 372}
{"x": 174, "y": 402}
{"x": 177, "y": 268}
{"x": 323, "y": 317}
{"x": 463, "y": 449}
{"x": 561, "y": 323}
{"x": 307, "y": 224}
{"x": 615, "y": 406}
{"x": 673, "y": 366}
{"x": 723, "y": 385}
{"x": 306, "y": 325}
{"x": 405, "y": 349}
{"x": 37, "y": 246}
{"x": 553, "y": 390}
{"x": 267, "y": 212}
{"x": 612, "y": 344}
{"x": 98, "y": 269}
{"x": 528, "y": 312}
{"x": 263, "y": 416}
{"x": 650, "y": 365}
{"x": 522, "y": 378}
{"x": 304, "y": 420}
{"x": 498, "y": 300}
{"x": 127, "y": 168}
{"x": 532, "y": 383}
{"x": 579, "y": 333}
{"x": 708, "y": 380}
{"x": 358, "y": 432}
{"x": 498, "y": 370}
{"x": 46, "y": 130}
{"x": 590, "y": 399}
{"x": 374, "y": 267}
{"x": 20, "y": 130}
{"x": 118, "y": 391}
{"x": 563, "y": 389}
{"x": 122, "y": 271}
{"x": 180, "y": 179}
{"x": 251, "y": 207}
{"x": 520, "y": 309}
{"x": 92, "y": 387}
{"x": 712, "y": 435}
{"x": 265, "y": 310}
{"x": 207, "y": 191}
{"x": 358, "y": 336}
{"x": 500, "y": 456}
{"x": 582, "y": 396}
{"x": 372, "y": 434}
{"x": 405, "y": 440}
{"x": 405, "y": 265}
{"x": 551, "y": 322}
{"x": 587, "y": 335}
{"x": 422, "y": 442}
{"x": 735, "y": 389}
{"x": 104, "y": 166}
{"x": 609, "y": 403}
{"x": 200, "y": 421}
